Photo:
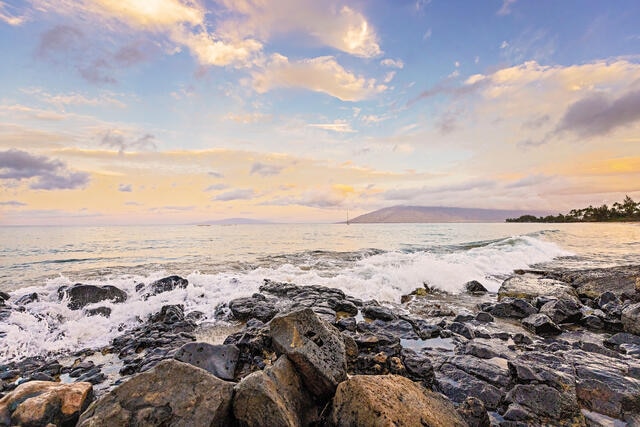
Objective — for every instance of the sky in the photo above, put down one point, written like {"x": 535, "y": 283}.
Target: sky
{"x": 180, "y": 111}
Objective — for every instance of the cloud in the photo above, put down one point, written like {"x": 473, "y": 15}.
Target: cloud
{"x": 392, "y": 63}
{"x": 238, "y": 194}
{"x": 415, "y": 192}
{"x": 339, "y": 126}
{"x": 247, "y": 118}
{"x": 264, "y": 169}
{"x": 216, "y": 187}
{"x": 12, "y": 203}
{"x": 8, "y": 18}
{"x": 61, "y": 100}
{"x": 599, "y": 114}
{"x": 50, "y": 174}
{"x": 322, "y": 74}
{"x": 506, "y": 7}
{"x": 59, "y": 39}
{"x": 342, "y": 28}
{"x": 209, "y": 50}
{"x": 215, "y": 174}
{"x": 427, "y": 35}
{"x": 125, "y": 188}
{"x": 315, "y": 198}
{"x": 117, "y": 139}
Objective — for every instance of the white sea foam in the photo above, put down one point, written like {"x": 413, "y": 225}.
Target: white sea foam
{"x": 49, "y": 327}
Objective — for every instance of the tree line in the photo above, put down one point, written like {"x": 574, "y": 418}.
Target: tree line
{"x": 628, "y": 210}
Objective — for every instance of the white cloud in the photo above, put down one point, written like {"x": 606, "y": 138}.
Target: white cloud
{"x": 506, "y": 7}
{"x": 8, "y": 18}
{"x": 427, "y": 34}
{"x": 211, "y": 51}
{"x": 342, "y": 28}
{"x": 392, "y": 63}
{"x": 340, "y": 126}
{"x": 389, "y": 76}
{"x": 322, "y": 74}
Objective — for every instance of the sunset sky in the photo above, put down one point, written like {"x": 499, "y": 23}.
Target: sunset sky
{"x": 179, "y": 111}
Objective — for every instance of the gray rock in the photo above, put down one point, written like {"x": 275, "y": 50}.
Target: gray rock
{"x": 631, "y": 319}
{"x": 529, "y": 287}
{"x": 485, "y": 370}
{"x": 475, "y": 288}
{"x": 254, "y": 307}
{"x": 541, "y": 324}
{"x": 418, "y": 367}
{"x": 4, "y": 297}
{"x": 562, "y": 310}
{"x": 99, "y": 311}
{"x": 80, "y": 295}
{"x": 616, "y": 341}
{"x": 546, "y": 403}
{"x": 390, "y": 400}
{"x": 457, "y": 385}
{"x": 27, "y": 299}
{"x": 517, "y": 308}
{"x": 165, "y": 284}
{"x": 484, "y": 317}
{"x": 315, "y": 348}
{"x": 462, "y": 329}
{"x": 172, "y": 393}
{"x": 274, "y": 397}
{"x": 378, "y": 312}
{"x": 219, "y": 360}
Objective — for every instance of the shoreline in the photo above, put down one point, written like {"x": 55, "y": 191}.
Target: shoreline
{"x": 472, "y": 342}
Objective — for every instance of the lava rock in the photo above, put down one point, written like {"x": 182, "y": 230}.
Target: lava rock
{"x": 631, "y": 319}
{"x": 484, "y": 317}
{"x": 472, "y": 410}
{"x": 373, "y": 400}
{"x": 27, "y": 299}
{"x": 38, "y": 403}
{"x": 562, "y": 310}
{"x": 475, "y": 288}
{"x": 80, "y": 295}
{"x": 165, "y": 284}
{"x": 529, "y": 287}
{"x": 511, "y": 307}
{"x": 315, "y": 348}
{"x": 378, "y": 312}
{"x": 254, "y": 307}
{"x": 100, "y": 311}
{"x": 219, "y": 360}
{"x": 541, "y": 324}
{"x": 547, "y": 403}
{"x": 172, "y": 393}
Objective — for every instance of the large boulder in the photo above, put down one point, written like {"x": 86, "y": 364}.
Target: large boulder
{"x": 529, "y": 287}
{"x": 38, "y": 403}
{"x": 165, "y": 284}
{"x": 546, "y": 403}
{"x": 562, "y": 310}
{"x": 631, "y": 319}
{"x": 274, "y": 397}
{"x": 388, "y": 400}
{"x": 80, "y": 295}
{"x": 511, "y": 307}
{"x": 315, "y": 347}
{"x": 219, "y": 360}
{"x": 254, "y": 307}
{"x": 541, "y": 324}
{"x": 172, "y": 393}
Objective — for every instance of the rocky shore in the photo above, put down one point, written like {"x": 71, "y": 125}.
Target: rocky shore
{"x": 550, "y": 348}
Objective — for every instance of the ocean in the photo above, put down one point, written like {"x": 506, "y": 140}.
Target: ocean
{"x": 370, "y": 261}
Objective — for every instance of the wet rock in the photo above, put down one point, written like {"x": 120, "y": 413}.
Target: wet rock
{"x": 461, "y": 329}
{"x": 517, "y": 308}
{"x": 219, "y": 360}
{"x": 592, "y": 283}
{"x": 166, "y": 284}
{"x": 27, "y": 299}
{"x": 541, "y": 324}
{"x": 494, "y": 372}
{"x": 604, "y": 384}
{"x": 38, "y": 403}
{"x": 484, "y": 317}
{"x": 536, "y": 367}
{"x": 274, "y": 397}
{"x": 172, "y": 393}
{"x": 520, "y": 338}
{"x": 418, "y": 367}
{"x": 457, "y": 385}
{"x": 390, "y": 400}
{"x": 4, "y": 297}
{"x": 399, "y": 328}
{"x": 562, "y": 310}
{"x": 472, "y": 410}
{"x": 80, "y": 295}
{"x": 529, "y": 287}
{"x": 619, "y": 340}
{"x": 315, "y": 348}
{"x": 254, "y": 307}
{"x": 475, "y": 288}
{"x": 548, "y": 404}
{"x": 347, "y": 323}
{"x": 631, "y": 319}
{"x": 343, "y": 306}
{"x": 100, "y": 311}
{"x": 378, "y": 312}
{"x": 254, "y": 343}
{"x": 593, "y": 322}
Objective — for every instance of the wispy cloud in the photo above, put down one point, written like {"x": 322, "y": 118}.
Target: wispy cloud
{"x": 264, "y": 169}
{"x": 340, "y": 126}
{"x": 506, "y": 7}
{"x": 125, "y": 188}
{"x": 238, "y": 194}
{"x": 119, "y": 140}
{"x": 8, "y": 17}
{"x": 12, "y": 203}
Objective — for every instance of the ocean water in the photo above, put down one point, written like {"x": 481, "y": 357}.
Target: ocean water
{"x": 370, "y": 261}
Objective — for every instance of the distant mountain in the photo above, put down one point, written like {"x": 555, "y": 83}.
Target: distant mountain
{"x": 234, "y": 221}
{"x": 409, "y": 214}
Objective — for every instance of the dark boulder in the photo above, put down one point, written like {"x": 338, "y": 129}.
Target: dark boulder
{"x": 219, "y": 360}
{"x": 631, "y": 319}
{"x": 517, "y": 308}
{"x": 562, "y": 310}
{"x": 4, "y": 297}
{"x": 378, "y": 312}
{"x": 541, "y": 324}
{"x": 80, "y": 295}
{"x": 475, "y": 288}
{"x": 165, "y": 284}
{"x": 457, "y": 385}
{"x": 27, "y": 299}
{"x": 254, "y": 307}
{"x": 99, "y": 311}
{"x": 472, "y": 410}
{"x": 548, "y": 404}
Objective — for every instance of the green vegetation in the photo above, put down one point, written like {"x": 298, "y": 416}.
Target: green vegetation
{"x": 628, "y": 210}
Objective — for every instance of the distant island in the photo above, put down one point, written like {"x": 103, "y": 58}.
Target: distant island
{"x": 427, "y": 214}
{"x": 628, "y": 210}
